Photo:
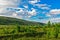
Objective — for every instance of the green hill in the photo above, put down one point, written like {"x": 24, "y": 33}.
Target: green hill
{"x": 13, "y": 21}
{"x": 18, "y": 29}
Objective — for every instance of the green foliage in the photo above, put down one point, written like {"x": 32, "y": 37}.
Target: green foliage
{"x": 16, "y": 28}
{"x": 15, "y": 21}
{"x": 49, "y": 24}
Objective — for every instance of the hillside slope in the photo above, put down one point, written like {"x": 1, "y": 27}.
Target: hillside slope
{"x": 13, "y": 21}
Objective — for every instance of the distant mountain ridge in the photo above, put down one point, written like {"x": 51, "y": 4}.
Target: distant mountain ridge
{"x": 13, "y": 21}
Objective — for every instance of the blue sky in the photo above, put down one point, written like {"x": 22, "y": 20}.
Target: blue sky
{"x": 32, "y": 10}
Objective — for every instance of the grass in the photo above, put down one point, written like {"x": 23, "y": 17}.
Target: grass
{"x": 18, "y": 29}
{"x": 25, "y": 32}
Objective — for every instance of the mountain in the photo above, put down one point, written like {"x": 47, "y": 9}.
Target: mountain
{"x": 14, "y": 21}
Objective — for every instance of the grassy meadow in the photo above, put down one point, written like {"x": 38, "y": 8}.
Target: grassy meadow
{"x": 48, "y": 31}
{"x": 17, "y": 29}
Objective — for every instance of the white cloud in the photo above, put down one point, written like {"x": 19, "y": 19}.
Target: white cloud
{"x": 22, "y": 13}
{"x": 29, "y": 16}
{"x": 9, "y": 3}
{"x": 55, "y": 19}
{"x": 52, "y": 20}
{"x": 52, "y": 14}
{"x": 26, "y": 13}
{"x": 25, "y": 6}
{"x": 34, "y": 1}
{"x": 55, "y": 11}
{"x": 4, "y": 4}
{"x": 33, "y": 12}
{"x": 43, "y": 6}
{"x": 47, "y": 8}
{"x": 48, "y": 15}
{"x": 14, "y": 14}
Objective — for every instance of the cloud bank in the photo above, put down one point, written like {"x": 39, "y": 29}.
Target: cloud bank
{"x": 4, "y": 4}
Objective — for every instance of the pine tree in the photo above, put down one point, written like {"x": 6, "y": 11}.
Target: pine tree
{"x": 49, "y": 24}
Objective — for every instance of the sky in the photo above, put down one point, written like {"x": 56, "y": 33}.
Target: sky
{"x": 32, "y": 10}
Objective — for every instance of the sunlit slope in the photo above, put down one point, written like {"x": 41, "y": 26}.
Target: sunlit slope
{"x": 14, "y": 21}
